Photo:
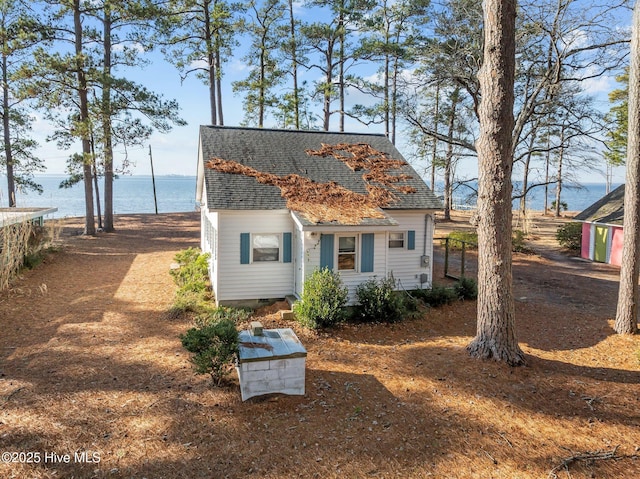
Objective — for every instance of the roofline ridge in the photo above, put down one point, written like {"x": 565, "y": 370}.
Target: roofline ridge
{"x": 292, "y": 130}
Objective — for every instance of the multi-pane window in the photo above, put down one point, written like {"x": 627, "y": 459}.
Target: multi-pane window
{"x": 347, "y": 253}
{"x": 396, "y": 240}
{"x": 266, "y": 247}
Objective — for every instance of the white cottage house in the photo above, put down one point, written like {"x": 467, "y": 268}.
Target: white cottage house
{"x": 278, "y": 204}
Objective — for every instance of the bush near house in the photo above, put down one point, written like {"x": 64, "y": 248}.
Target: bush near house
{"x": 569, "y": 236}
{"x": 192, "y": 277}
{"x": 379, "y": 302}
{"x": 437, "y": 295}
{"x": 466, "y": 288}
{"x": 323, "y": 300}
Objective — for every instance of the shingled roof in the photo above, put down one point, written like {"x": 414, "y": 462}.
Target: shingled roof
{"x": 609, "y": 209}
{"x": 287, "y": 152}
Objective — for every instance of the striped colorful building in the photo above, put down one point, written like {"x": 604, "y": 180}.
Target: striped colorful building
{"x": 602, "y": 231}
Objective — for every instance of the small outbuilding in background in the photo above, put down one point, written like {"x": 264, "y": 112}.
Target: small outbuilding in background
{"x": 602, "y": 230}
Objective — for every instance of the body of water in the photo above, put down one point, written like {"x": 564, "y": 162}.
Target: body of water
{"x": 131, "y": 194}
{"x": 134, "y": 194}
{"x": 577, "y": 198}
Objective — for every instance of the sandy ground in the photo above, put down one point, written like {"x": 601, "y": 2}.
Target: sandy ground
{"x": 94, "y": 382}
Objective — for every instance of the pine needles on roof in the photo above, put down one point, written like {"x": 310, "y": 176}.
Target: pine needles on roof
{"x": 331, "y": 202}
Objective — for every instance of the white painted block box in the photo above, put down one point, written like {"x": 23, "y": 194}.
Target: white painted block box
{"x": 273, "y": 362}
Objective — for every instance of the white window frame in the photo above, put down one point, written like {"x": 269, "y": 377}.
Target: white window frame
{"x": 356, "y": 252}
{"x": 404, "y": 240}
{"x": 252, "y": 248}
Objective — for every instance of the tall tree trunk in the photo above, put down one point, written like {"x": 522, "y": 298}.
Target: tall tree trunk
{"x": 448, "y": 194}
{"x": 294, "y": 67}
{"x": 261, "y": 86}
{"x": 627, "y": 312}
{"x": 208, "y": 38}
{"x": 327, "y": 89}
{"x": 559, "y": 179}
{"x": 94, "y": 166}
{"x": 546, "y": 175}
{"x": 341, "y": 33}
{"x": 394, "y": 99}
{"x": 496, "y": 337}
{"x": 525, "y": 185}
{"x": 6, "y": 124}
{"x": 89, "y": 223}
{"x": 434, "y": 150}
{"x": 218, "y": 75}
{"x": 106, "y": 126}
{"x": 387, "y": 67}
{"x": 525, "y": 174}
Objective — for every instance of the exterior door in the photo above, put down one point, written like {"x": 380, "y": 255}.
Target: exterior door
{"x": 600, "y": 246}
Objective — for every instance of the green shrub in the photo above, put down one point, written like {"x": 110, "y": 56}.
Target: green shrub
{"x": 436, "y": 296}
{"x": 187, "y": 302}
{"x": 456, "y": 238}
{"x": 193, "y": 273}
{"x": 410, "y": 304}
{"x": 569, "y": 236}
{"x": 518, "y": 242}
{"x": 323, "y": 300}
{"x": 378, "y": 302}
{"x": 466, "y": 288}
{"x": 214, "y": 345}
{"x": 192, "y": 277}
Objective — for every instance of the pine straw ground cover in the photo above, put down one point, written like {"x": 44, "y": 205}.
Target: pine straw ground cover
{"x": 92, "y": 363}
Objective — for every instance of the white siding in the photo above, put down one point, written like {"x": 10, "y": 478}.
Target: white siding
{"x": 255, "y": 280}
{"x": 351, "y": 279}
{"x": 405, "y": 264}
{"x": 208, "y": 241}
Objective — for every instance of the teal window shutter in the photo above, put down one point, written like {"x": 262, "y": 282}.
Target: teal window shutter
{"x": 326, "y": 251}
{"x": 366, "y": 262}
{"x": 286, "y": 247}
{"x": 245, "y": 248}
{"x": 411, "y": 240}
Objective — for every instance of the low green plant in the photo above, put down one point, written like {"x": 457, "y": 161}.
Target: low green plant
{"x": 466, "y": 288}
{"x": 410, "y": 305}
{"x": 518, "y": 244}
{"x": 563, "y": 205}
{"x": 323, "y": 300}
{"x": 569, "y": 236}
{"x": 193, "y": 272}
{"x": 457, "y": 238}
{"x": 379, "y": 302}
{"x": 192, "y": 277}
{"x": 220, "y": 313}
{"x": 437, "y": 295}
{"x": 189, "y": 302}
{"x": 214, "y": 345}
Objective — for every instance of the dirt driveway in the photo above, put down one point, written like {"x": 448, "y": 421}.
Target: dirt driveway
{"x": 95, "y": 384}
